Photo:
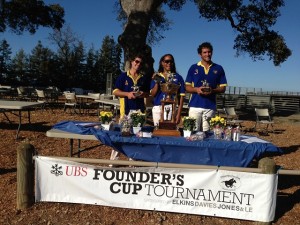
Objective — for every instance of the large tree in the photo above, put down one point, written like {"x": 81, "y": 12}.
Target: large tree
{"x": 78, "y": 61}
{"x": 20, "y": 64}
{"x": 251, "y": 19}
{"x": 21, "y": 15}
{"x": 41, "y": 65}
{"x": 109, "y": 60}
{"x": 91, "y": 70}
{"x": 67, "y": 42}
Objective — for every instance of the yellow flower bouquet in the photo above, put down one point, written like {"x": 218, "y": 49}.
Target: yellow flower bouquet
{"x": 105, "y": 117}
{"x": 217, "y": 124}
{"x": 217, "y": 121}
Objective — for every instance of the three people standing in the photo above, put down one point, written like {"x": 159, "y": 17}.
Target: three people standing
{"x": 204, "y": 80}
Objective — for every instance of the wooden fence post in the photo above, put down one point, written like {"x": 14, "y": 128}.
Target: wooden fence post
{"x": 268, "y": 166}
{"x": 25, "y": 176}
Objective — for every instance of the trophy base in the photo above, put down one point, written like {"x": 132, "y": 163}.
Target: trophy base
{"x": 167, "y": 125}
{"x": 137, "y": 94}
{"x": 167, "y": 129}
{"x": 207, "y": 89}
{"x": 165, "y": 132}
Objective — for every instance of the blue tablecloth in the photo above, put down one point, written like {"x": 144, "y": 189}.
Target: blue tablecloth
{"x": 178, "y": 149}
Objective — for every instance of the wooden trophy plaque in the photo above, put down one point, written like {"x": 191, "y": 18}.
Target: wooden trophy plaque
{"x": 167, "y": 123}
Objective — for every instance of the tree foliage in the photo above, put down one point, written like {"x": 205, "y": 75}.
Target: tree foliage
{"x": 21, "y": 15}
{"x": 91, "y": 70}
{"x": 5, "y": 59}
{"x": 253, "y": 23}
{"x": 70, "y": 66}
{"x": 21, "y": 68}
{"x": 144, "y": 23}
{"x": 41, "y": 65}
{"x": 251, "y": 19}
{"x": 66, "y": 42}
{"x": 109, "y": 60}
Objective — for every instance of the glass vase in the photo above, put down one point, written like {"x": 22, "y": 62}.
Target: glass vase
{"x": 125, "y": 128}
{"x": 218, "y": 133}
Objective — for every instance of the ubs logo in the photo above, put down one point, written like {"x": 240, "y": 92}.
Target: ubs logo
{"x": 75, "y": 171}
{"x": 56, "y": 170}
{"x": 230, "y": 182}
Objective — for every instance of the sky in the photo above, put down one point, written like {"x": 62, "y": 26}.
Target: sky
{"x": 92, "y": 20}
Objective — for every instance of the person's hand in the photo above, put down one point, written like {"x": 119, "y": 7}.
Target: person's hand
{"x": 203, "y": 91}
{"x": 198, "y": 90}
{"x": 140, "y": 94}
{"x": 157, "y": 78}
{"x": 130, "y": 95}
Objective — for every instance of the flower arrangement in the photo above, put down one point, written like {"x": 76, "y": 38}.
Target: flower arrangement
{"x": 189, "y": 123}
{"x": 217, "y": 121}
{"x": 138, "y": 119}
{"x": 105, "y": 117}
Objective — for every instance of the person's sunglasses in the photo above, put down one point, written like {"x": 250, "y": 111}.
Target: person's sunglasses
{"x": 168, "y": 61}
{"x": 137, "y": 61}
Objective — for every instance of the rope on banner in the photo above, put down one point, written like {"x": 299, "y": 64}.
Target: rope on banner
{"x": 171, "y": 165}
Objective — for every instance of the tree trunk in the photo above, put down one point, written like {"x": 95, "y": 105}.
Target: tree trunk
{"x": 133, "y": 39}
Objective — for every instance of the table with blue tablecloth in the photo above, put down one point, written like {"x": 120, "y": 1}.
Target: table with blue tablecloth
{"x": 173, "y": 149}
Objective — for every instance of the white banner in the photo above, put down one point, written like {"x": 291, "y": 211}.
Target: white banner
{"x": 220, "y": 193}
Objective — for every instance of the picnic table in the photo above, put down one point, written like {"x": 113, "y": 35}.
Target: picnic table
{"x": 19, "y": 107}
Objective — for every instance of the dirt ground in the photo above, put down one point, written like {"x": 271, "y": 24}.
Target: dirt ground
{"x": 286, "y": 136}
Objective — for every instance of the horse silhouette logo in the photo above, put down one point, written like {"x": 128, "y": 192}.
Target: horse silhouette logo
{"x": 230, "y": 182}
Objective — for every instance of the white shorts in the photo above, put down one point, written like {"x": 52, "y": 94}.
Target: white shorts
{"x": 202, "y": 117}
{"x": 156, "y": 113}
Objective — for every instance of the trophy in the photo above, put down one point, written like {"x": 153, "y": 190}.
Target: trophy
{"x": 167, "y": 123}
{"x": 206, "y": 87}
{"x": 136, "y": 89}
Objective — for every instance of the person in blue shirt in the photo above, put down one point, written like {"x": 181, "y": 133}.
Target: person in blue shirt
{"x": 125, "y": 88}
{"x": 130, "y": 99}
{"x": 166, "y": 67}
{"x": 204, "y": 80}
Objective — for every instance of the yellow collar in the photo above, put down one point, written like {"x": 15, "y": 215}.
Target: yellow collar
{"x": 200, "y": 64}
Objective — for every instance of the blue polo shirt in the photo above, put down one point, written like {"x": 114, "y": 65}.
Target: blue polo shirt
{"x": 160, "y": 95}
{"x": 125, "y": 82}
{"x": 215, "y": 76}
